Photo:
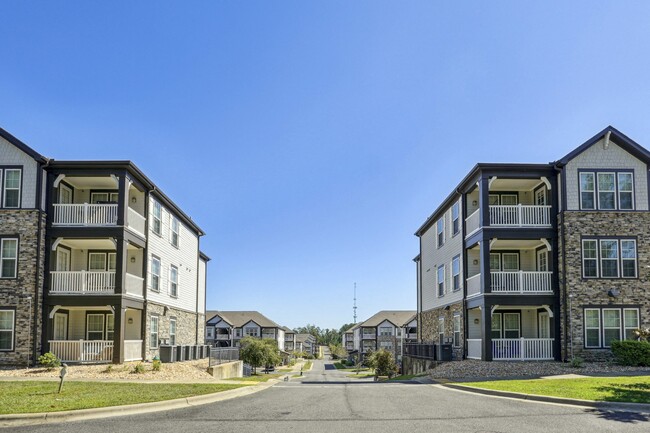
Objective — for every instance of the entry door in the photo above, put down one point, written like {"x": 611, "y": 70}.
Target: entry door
{"x": 542, "y": 261}
{"x": 544, "y": 326}
{"x": 540, "y": 197}
{"x": 65, "y": 194}
{"x": 60, "y": 326}
{"x": 62, "y": 259}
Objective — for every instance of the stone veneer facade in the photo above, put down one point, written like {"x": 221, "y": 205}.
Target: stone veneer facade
{"x": 14, "y": 292}
{"x": 634, "y": 292}
{"x": 428, "y": 323}
{"x": 188, "y": 330}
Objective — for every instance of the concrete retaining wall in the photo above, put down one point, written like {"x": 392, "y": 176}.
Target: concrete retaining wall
{"x": 416, "y": 365}
{"x": 227, "y": 370}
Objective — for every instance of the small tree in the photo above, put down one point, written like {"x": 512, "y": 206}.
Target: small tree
{"x": 253, "y": 351}
{"x": 383, "y": 362}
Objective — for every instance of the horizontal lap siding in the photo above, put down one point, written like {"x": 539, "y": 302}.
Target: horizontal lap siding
{"x": 185, "y": 258}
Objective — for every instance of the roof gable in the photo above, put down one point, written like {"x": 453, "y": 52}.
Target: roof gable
{"x": 22, "y": 146}
{"x": 616, "y": 137}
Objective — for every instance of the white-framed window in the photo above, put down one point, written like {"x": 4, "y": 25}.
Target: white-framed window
{"x": 155, "y": 274}
{"x": 609, "y": 258}
{"x": 11, "y": 188}
{"x": 592, "y": 327}
{"x": 386, "y": 331}
{"x": 511, "y": 327}
{"x": 7, "y": 330}
{"x": 153, "y": 332}
{"x": 104, "y": 197}
{"x": 497, "y": 328}
{"x": 95, "y": 326}
{"x": 251, "y": 331}
{"x": 455, "y": 218}
{"x": 175, "y": 232}
{"x": 606, "y": 190}
{"x": 386, "y": 345}
{"x": 110, "y": 326}
{"x": 238, "y": 333}
{"x": 495, "y": 262}
{"x": 457, "y": 330}
{"x": 542, "y": 261}
{"x": 209, "y": 332}
{"x": 441, "y": 330}
{"x": 510, "y": 262}
{"x": 8, "y": 258}
{"x": 441, "y": 280}
{"x": 440, "y": 230}
{"x": 173, "y": 281}
{"x": 60, "y": 326}
{"x": 455, "y": 273}
{"x": 172, "y": 331}
{"x": 607, "y": 324}
{"x": 156, "y": 225}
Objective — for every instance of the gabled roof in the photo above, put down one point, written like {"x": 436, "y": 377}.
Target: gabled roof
{"x": 616, "y": 137}
{"x": 22, "y": 146}
{"x": 397, "y": 318}
{"x": 287, "y": 329}
{"x": 238, "y": 319}
{"x": 302, "y": 338}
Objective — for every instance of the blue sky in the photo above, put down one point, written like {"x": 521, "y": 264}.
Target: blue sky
{"x": 311, "y": 139}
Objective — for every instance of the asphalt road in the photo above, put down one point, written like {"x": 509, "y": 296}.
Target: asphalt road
{"x": 327, "y": 401}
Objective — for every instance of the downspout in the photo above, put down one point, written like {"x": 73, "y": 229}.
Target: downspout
{"x": 563, "y": 282}
{"x": 39, "y": 237}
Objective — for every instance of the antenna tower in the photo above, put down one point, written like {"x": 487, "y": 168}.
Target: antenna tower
{"x": 354, "y": 308}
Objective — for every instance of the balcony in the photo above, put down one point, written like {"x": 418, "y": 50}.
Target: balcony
{"x": 222, "y": 337}
{"x": 514, "y": 349}
{"x": 92, "y": 283}
{"x": 97, "y": 351}
{"x": 95, "y": 215}
{"x": 512, "y": 216}
{"x": 521, "y": 282}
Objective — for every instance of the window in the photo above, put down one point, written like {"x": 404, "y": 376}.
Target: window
{"x": 251, "y": 331}
{"x": 540, "y": 197}
{"x": 60, "y": 326}
{"x": 172, "y": 331}
{"x": 238, "y": 332}
{"x": 604, "y": 325}
{"x": 457, "y": 330}
{"x": 96, "y": 261}
{"x": 496, "y": 325}
{"x": 153, "y": 332}
{"x": 11, "y": 191}
{"x": 510, "y": 325}
{"x": 386, "y": 331}
{"x": 173, "y": 281}
{"x": 441, "y": 280}
{"x": 157, "y": 218}
{"x": 104, "y": 197}
{"x": 155, "y": 274}
{"x": 510, "y": 262}
{"x": 9, "y": 258}
{"x": 440, "y": 229}
{"x": 441, "y": 330}
{"x": 95, "y": 327}
{"x": 609, "y": 258}
{"x": 455, "y": 272}
{"x": 174, "y": 232}
{"x": 208, "y": 332}
{"x": 386, "y": 345}
{"x": 7, "y": 326}
{"x": 607, "y": 190}
{"x": 455, "y": 218}
{"x": 542, "y": 261}
{"x": 495, "y": 262}
{"x": 110, "y": 327}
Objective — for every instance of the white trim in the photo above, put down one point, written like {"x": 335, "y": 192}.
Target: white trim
{"x": 15, "y": 258}
{"x": 620, "y": 324}
{"x": 12, "y": 329}
{"x": 5, "y": 189}
{"x": 88, "y": 322}
{"x": 599, "y": 328}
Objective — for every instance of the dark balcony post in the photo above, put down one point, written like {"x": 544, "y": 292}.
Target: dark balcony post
{"x": 486, "y": 278}
{"x": 486, "y": 332}
{"x": 122, "y": 201}
{"x": 118, "y": 335}
{"x": 484, "y": 200}
{"x": 121, "y": 257}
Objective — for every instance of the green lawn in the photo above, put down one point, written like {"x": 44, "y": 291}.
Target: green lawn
{"x": 635, "y": 389}
{"x": 341, "y": 367}
{"x": 361, "y": 375}
{"x": 31, "y": 397}
{"x": 406, "y": 376}
{"x": 307, "y": 366}
{"x": 263, "y": 377}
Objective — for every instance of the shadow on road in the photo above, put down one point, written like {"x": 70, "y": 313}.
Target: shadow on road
{"x": 621, "y": 416}
{"x": 330, "y": 367}
{"x": 357, "y": 382}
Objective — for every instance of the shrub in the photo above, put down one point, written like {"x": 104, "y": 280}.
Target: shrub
{"x": 138, "y": 368}
{"x": 49, "y": 361}
{"x": 577, "y": 362}
{"x": 157, "y": 364}
{"x": 634, "y": 353}
{"x": 292, "y": 363}
{"x": 109, "y": 368}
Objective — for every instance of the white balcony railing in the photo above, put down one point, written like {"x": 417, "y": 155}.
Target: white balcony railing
{"x": 134, "y": 285}
{"x": 132, "y": 350}
{"x": 473, "y": 222}
{"x": 85, "y": 214}
{"x": 474, "y": 285}
{"x": 369, "y": 336}
{"x": 82, "y": 282}
{"x": 222, "y": 337}
{"x": 474, "y": 348}
{"x": 82, "y": 350}
{"x": 135, "y": 221}
{"x": 521, "y": 282}
{"x": 411, "y": 336}
{"x": 522, "y": 349}
{"x": 520, "y": 216}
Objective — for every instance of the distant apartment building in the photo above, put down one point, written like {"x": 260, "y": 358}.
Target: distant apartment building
{"x": 227, "y": 328}
{"x": 388, "y": 330}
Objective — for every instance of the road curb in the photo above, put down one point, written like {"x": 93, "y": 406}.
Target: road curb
{"x": 15, "y": 420}
{"x": 626, "y": 407}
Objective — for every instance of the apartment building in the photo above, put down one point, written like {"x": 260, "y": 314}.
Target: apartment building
{"x": 289, "y": 339}
{"x": 306, "y": 343}
{"x": 227, "y": 328}
{"x": 99, "y": 265}
{"x": 388, "y": 329}
{"x": 540, "y": 261}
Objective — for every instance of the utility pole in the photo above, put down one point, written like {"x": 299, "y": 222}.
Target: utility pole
{"x": 354, "y": 308}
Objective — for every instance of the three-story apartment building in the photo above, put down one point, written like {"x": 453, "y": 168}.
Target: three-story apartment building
{"x": 118, "y": 264}
{"x": 387, "y": 330}
{"x": 537, "y": 261}
{"x": 227, "y": 328}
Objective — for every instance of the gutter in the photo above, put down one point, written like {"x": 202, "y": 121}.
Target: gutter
{"x": 563, "y": 282}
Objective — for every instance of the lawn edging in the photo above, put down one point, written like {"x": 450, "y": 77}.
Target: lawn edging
{"x": 11, "y": 420}
{"x": 628, "y": 407}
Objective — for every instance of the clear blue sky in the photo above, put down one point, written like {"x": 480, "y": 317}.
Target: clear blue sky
{"x": 311, "y": 139}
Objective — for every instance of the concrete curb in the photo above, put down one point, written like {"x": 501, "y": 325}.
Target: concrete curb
{"x": 625, "y": 407}
{"x": 14, "y": 420}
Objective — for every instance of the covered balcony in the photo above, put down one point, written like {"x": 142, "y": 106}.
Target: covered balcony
{"x": 512, "y": 203}
{"x": 369, "y": 334}
{"x": 82, "y": 201}
{"x": 516, "y": 267}
{"x": 88, "y": 267}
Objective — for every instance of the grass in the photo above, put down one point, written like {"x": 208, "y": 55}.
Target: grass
{"x": 342, "y": 367}
{"x": 258, "y": 377}
{"x": 634, "y": 389}
{"x": 307, "y": 366}
{"x": 284, "y": 369}
{"x": 361, "y": 375}
{"x": 41, "y": 396}
{"x": 406, "y": 376}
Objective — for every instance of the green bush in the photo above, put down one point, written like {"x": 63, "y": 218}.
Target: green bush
{"x": 577, "y": 362}
{"x": 157, "y": 364}
{"x": 49, "y": 361}
{"x": 634, "y": 353}
{"x": 138, "y": 369}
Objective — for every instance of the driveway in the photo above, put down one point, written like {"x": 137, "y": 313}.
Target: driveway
{"x": 327, "y": 401}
